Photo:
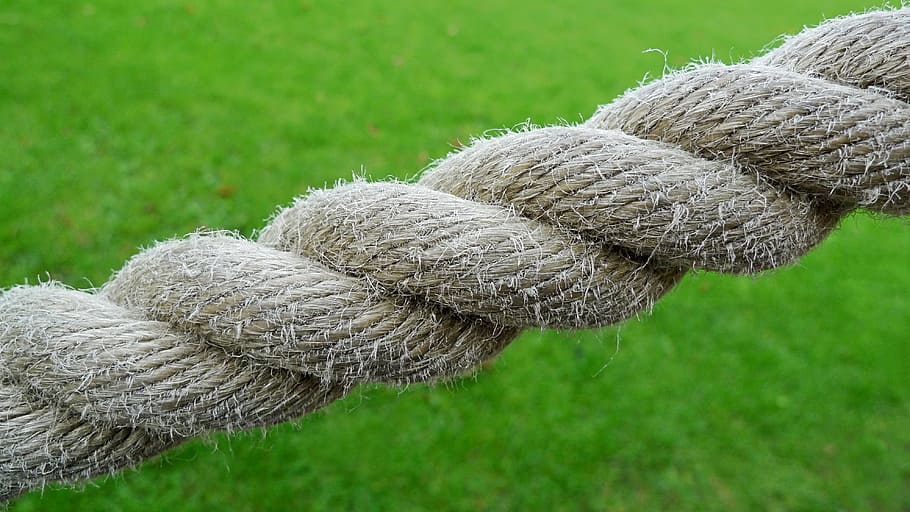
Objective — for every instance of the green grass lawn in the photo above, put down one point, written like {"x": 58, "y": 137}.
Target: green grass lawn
{"x": 123, "y": 124}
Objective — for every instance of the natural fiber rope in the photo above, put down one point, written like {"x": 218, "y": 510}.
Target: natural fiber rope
{"x": 737, "y": 168}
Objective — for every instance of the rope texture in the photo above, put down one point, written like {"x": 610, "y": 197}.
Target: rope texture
{"x": 730, "y": 168}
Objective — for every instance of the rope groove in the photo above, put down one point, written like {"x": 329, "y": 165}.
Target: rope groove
{"x": 730, "y": 168}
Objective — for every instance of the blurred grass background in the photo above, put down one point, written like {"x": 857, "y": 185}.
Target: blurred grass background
{"x": 125, "y": 123}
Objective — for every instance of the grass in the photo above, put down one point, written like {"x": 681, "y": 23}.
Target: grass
{"x": 125, "y": 123}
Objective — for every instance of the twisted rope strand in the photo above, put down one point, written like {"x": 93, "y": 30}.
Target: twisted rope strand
{"x": 731, "y": 168}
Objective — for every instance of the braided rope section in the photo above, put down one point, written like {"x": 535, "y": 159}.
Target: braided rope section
{"x": 730, "y": 168}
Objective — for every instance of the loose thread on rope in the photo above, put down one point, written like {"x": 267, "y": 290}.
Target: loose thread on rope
{"x": 730, "y": 168}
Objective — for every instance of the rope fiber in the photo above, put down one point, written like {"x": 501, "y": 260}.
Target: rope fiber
{"x": 730, "y": 168}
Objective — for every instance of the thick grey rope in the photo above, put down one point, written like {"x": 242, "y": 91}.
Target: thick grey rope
{"x": 737, "y": 168}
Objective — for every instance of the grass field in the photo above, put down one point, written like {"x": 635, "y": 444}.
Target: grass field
{"x": 125, "y": 123}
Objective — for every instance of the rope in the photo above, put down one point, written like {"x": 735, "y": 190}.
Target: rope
{"x": 730, "y": 168}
